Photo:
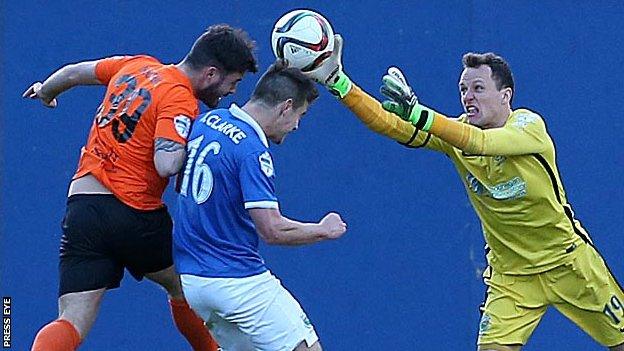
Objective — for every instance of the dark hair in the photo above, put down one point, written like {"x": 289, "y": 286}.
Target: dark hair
{"x": 224, "y": 47}
{"x": 280, "y": 83}
{"x": 501, "y": 73}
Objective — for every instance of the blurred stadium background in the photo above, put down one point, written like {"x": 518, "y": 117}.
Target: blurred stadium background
{"x": 406, "y": 276}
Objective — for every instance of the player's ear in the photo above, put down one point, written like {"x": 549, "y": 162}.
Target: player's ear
{"x": 211, "y": 74}
{"x": 507, "y": 94}
{"x": 286, "y": 105}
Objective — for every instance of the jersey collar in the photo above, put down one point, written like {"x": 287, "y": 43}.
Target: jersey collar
{"x": 242, "y": 115}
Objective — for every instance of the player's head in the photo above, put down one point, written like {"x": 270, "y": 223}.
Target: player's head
{"x": 218, "y": 60}
{"x": 286, "y": 93}
{"x": 486, "y": 88}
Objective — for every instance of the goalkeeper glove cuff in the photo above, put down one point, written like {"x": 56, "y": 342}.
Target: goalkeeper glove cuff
{"x": 340, "y": 85}
{"x": 422, "y": 117}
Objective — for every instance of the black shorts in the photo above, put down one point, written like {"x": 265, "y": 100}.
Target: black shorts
{"x": 102, "y": 236}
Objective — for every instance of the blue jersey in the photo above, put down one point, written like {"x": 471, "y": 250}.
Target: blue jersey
{"x": 228, "y": 170}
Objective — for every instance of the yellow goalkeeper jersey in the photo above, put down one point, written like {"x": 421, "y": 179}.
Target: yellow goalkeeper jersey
{"x": 512, "y": 181}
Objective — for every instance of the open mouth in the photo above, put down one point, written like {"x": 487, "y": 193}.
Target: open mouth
{"x": 471, "y": 111}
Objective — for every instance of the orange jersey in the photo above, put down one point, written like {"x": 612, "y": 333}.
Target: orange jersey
{"x": 144, "y": 100}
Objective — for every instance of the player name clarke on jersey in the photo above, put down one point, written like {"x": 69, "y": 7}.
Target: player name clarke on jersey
{"x": 230, "y": 130}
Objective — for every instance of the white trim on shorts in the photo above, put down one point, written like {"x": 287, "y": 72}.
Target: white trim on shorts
{"x": 250, "y": 313}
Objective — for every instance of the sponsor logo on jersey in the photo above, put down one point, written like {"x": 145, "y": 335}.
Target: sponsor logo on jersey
{"x": 182, "y": 125}
{"x": 484, "y": 324}
{"x": 266, "y": 164}
{"x": 513, "y": 189}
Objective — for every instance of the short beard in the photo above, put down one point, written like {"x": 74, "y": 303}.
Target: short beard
{"x": 210, "y": 95}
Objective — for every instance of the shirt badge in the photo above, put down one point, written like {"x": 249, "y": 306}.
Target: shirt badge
{"x": 182, "y": 125}
{"x": 266, "y": 164}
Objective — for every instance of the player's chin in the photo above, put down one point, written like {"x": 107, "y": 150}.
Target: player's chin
{"x": 474, "y": 120}
{"x": 278, "y": 140}
{"x": 211, "y": 101}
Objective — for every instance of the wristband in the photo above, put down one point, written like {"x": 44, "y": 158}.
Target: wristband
{"x": 341, "y": 85}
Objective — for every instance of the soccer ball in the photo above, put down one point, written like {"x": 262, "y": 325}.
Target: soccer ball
{"x": 304, "y": 38}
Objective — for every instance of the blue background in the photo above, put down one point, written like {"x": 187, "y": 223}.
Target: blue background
{"x": 406, "y": 275}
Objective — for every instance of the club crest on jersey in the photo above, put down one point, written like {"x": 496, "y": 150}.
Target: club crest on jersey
{"x": 182, "y": 125}
{"x": 524, "y": 119}
{"x": 266, "y": 164}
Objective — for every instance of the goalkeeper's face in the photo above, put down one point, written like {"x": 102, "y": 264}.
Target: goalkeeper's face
{"x": 485, "y": 106}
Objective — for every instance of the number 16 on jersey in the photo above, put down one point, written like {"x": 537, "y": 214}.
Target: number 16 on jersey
{"x": 202, "y": 180}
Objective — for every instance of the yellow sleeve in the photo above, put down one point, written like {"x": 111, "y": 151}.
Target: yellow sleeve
{"x": 369, "y": 111}
{"x": 523, "y": 133}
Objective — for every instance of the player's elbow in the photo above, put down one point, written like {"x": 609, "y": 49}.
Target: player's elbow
{"x": 80, "y": 73}
{"x": 270, "y": 235}
{"x": 71, "y": 72}
{"x": 270, "y": 224}
{"x": 166, "y": 171}
{"x": 168, "y": 164}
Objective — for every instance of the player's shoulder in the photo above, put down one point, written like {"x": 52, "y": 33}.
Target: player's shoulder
{"x": 524, "y": 113}
{"x": 523, "y": 118}
{"x": 132, "y": 59}
{"x": 254, "y": 134}
{"x": 236, "y": 133}
{"x": 144, "y": 58}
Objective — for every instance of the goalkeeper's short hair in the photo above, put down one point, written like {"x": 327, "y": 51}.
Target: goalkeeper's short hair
{"x": 501, "y": 73}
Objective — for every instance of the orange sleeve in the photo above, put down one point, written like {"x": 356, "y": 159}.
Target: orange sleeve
{"x": 106, "y": 68}
{"x": 177, "y": 109}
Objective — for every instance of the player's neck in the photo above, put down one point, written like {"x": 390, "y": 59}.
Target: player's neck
{"x": 506, "y": 113}
{"x": 501, "y": 120}
{"x": 259, "y": 114}
{"x": 188, "y": 71}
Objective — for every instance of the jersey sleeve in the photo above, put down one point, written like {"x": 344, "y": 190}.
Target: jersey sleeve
{"x": 257, "y": 181}
{"x": 106, "y": 68}
{"x": 175, "y": 113}
{"x": 524, "y": 133}
{"x": 430, "y": 141}
{"x": 369, "y": 111}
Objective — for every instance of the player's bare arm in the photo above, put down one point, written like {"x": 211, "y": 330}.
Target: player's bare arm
{"x": 69, "y": 76}
{"x": 169, "y": 156}
{"x": 278, "y": 230}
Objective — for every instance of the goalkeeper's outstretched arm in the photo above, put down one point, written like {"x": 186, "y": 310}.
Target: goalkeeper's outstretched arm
{"x": 402, "y": 117}
{"x": 371, "y": 112}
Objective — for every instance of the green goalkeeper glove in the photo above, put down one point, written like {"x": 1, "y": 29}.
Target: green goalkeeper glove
{"x": 403, "y": 102}
{"x": 330, "y": 72}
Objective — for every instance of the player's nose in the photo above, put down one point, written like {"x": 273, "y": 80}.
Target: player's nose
{"x": 468, "y": 98}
